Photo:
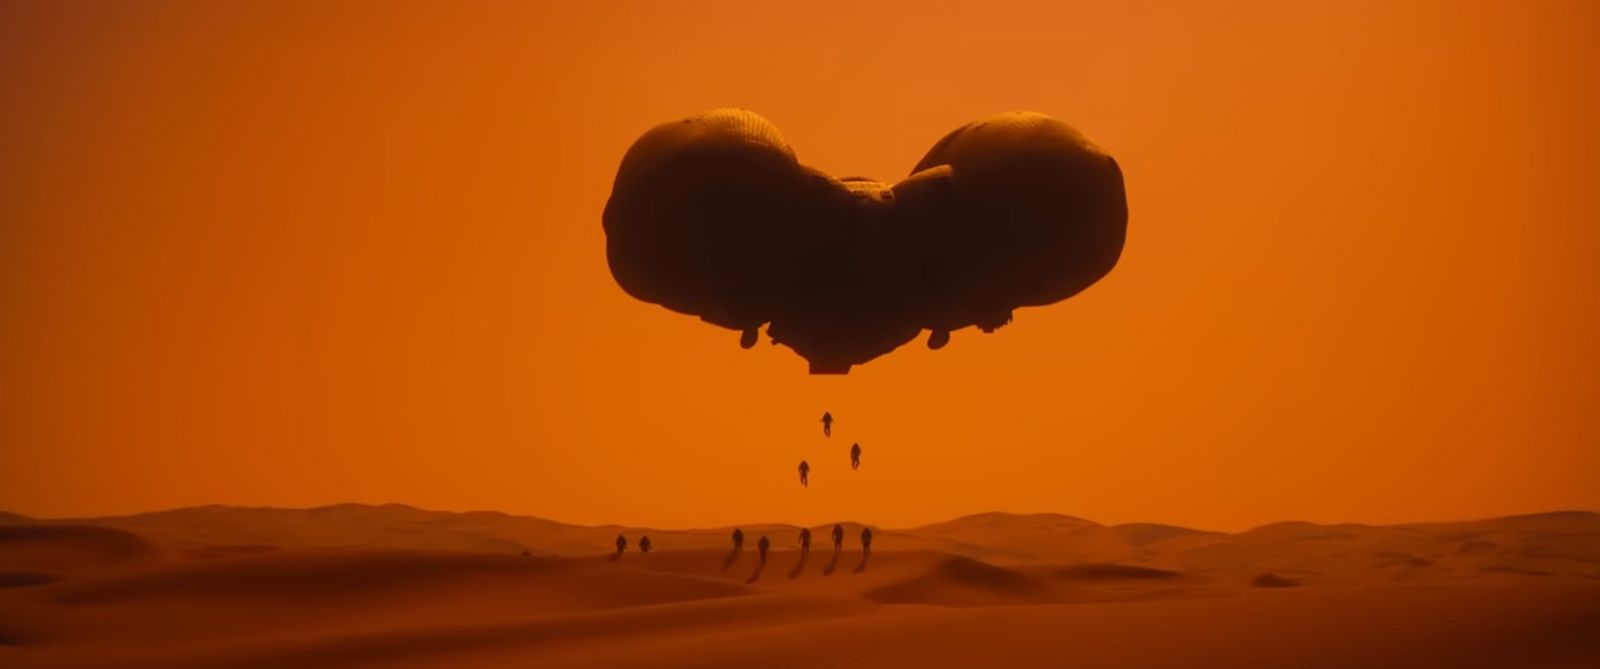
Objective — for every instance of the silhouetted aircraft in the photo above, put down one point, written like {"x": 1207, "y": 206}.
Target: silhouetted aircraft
{"x": 712, "y": 215}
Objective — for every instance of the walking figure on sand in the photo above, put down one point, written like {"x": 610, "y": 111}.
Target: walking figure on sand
{"x": 827, "y": 424}
{"x": 855, "y": 456}
{"x": 805, "y": 472}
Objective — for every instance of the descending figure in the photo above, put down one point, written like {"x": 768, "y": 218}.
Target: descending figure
{"x": 644, "y": 544}
{"x": 805, "y": 540}
{"x": 762, "y": 547}
{"x": 855, "y": 456}
{"x": 866, "y": 541}
{"x": 838, "y": 538}
{"x": 805, "y": 471}
{"x": 622, "y": 544}
{"x": 738, "y": 538}
{"x": 827, "y": 424}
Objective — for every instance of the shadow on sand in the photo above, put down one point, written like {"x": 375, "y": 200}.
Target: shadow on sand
{"x": 832, "y": 564}
{"x": 862, "y": 566}
{"x": 756, "y": 575}
{"x": 733, "y": 556}
{"x": 801, "y": 565}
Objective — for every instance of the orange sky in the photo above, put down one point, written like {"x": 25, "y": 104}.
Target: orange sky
{"x": 291, "y": 256}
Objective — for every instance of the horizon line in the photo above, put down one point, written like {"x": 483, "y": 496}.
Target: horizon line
{"x": 413, "y": 507}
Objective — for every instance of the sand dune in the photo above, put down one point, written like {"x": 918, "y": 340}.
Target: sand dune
{"x": 1299, "y": 629}
{"x": 992, "y": 537}
{"x": 346, "y": 587}
{"x": 69, "y": 549}
{"x": 959, "y": 581}
{"x": 395, "y": 526}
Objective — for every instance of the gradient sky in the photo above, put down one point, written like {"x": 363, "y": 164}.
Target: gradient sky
{"x": 294, "y": 254}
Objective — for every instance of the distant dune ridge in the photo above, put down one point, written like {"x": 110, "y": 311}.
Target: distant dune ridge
{"x": 1557, "y": 542}
{"x": 13, "y": 519}
{"x": 395, "y": 586}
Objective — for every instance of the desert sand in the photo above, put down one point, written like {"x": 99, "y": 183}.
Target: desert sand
{"x": 395, "y": 586}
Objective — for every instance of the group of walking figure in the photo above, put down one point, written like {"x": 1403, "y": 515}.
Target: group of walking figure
{"x": 827, "y": 431}
{"x": 764, "y": 544}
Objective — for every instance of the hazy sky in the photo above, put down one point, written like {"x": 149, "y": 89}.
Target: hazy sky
{"x": 306, "y": 253}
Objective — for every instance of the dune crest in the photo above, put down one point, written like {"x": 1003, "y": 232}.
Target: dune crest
{"x": 220, "y": 587}
{"x": 70, "y": 549}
